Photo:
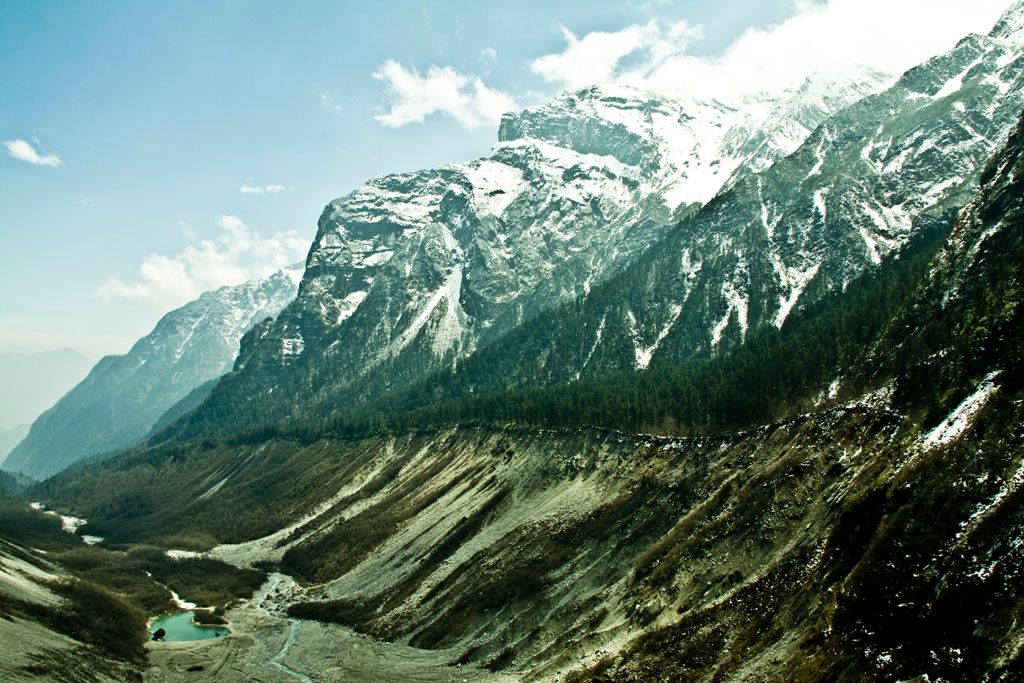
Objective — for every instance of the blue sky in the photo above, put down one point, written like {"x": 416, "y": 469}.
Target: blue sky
{"x": 134, "y": 126}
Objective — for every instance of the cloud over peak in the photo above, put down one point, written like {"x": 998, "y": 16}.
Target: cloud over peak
{"x": 414, "y": 96}
{"x": 594, "y": 59}
{"x": 821, "y": 36}
{"x": 22, "y": 150}
{"x": 238, "y": 255}
{"x": 837, "y": 37}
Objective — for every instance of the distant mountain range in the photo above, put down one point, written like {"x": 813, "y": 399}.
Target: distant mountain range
{"x": 11, "y": 438}
{"x": 123, "y": 396}
{"x": 31, "y": 382}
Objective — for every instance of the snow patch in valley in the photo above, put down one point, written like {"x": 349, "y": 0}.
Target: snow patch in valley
{"x": 372, "y": 203}
{"x": 956, "y": 82}
{"x": 833, "y": 388}
{"x": 891, "y": 223}
{"x": 819, "y": 153}
{"x": 695, "y": 162}
{"x": 68, "y": 523}
{"x": 866, "y": 157}
{"x": 643, "y": 354}
{"x": 292, "y": 346}
{"x": 819, "y": 203}
{"x": 796, "y": 280}
{"x": 936, "y": 191}
{"x": 1002, "y": 86}
{"x": 377, "y": 258}
{"x": 871, "y": 244}
{"x": 736, "y": 304}
{"x": 182, "y": 554}
{"x": 957, "y": 422}
{"x": 1008, "y": 487}
{"x": 560, "y": 158}
{"x": 182, "y": 604}
{"x": 449, "y": 327}
{"x": 768, "y": 223}
{"x": 597, "y": 342}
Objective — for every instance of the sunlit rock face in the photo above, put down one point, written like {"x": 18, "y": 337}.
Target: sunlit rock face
{"x": 411, "y": 273}
{"x": 870, "y": 178}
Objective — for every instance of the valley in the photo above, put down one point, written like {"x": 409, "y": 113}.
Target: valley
{"x": 266, "y": 645}
{"x": 662, "y": 389}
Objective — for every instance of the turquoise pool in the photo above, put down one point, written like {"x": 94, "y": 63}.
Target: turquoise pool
{"x": 179, "y": 627}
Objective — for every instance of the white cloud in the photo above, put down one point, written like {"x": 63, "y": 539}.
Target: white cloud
{"x": 327, "y": 102}
{"x": 240, "y": 254}
{"x": 488, "y": 55}
{"x": 24, "y": 151}
{"x": 260, "y": 189}
{"x": 651, "y": 5}
{"x": 595, "y": 58}
{"x": 413, "y": 96}
{"x": 186, "y": 230}
{"x": 833, "y": 35}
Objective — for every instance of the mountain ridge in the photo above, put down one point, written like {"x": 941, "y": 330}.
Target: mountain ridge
{"x": 123, "y": 396}
{"x": 781, "y": 237}
{"x": 33, "y": 381}
{"x": 412, "y": 273}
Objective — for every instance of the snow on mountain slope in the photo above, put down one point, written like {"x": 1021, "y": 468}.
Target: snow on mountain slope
{"x": 412, "y": 272}
{"x": 118, "y": 402}
{"x": 856, "y": 191}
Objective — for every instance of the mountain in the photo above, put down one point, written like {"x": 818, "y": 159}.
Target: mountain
{"x": 417, "y": 284}
{"x": 873, "y": 536}
{"x": 412, "y": 273}
{"x": 829, "y": 350}
{"x": 872, "y": 177}
{"x": 33, "y": 381}
{"x": 123, "y": 396}
{"x": 11, "y": 438}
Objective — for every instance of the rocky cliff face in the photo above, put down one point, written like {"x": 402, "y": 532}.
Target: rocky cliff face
{"x": 892, "y": 166}
{"x": 412, "y": 273}
{"x": 121, "y": 398}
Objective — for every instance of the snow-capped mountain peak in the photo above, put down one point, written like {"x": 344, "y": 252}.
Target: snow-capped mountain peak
{"x": 413, "y": 272}
{"x": 1010, "y": 26}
